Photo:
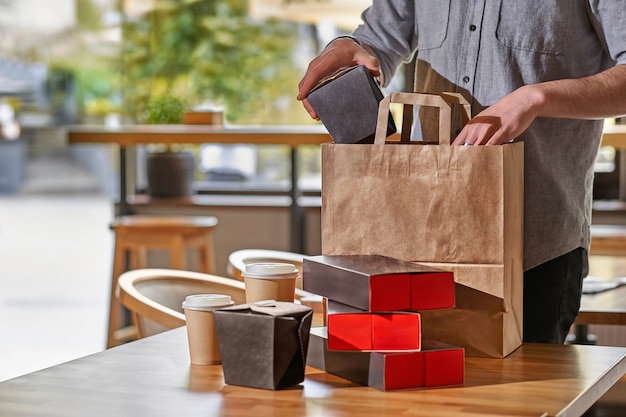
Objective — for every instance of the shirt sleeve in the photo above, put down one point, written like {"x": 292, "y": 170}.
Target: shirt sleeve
{"x": 608, "y": 18}
{"x": 389, "y": 29}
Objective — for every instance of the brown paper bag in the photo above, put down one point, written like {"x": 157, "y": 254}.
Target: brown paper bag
{"x": 458, "y": 208}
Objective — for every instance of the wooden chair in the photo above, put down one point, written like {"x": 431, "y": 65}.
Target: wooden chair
{"x": 135, "y": 235}
{"x": 155, "y": 296}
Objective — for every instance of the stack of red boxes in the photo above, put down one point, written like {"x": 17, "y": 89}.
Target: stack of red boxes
{"x": 373, "y": 333}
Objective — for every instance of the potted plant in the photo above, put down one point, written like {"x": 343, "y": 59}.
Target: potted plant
{"x": 169, "y": 171}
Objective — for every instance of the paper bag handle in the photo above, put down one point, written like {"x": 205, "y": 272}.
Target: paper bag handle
{"x": 442, "y": 101}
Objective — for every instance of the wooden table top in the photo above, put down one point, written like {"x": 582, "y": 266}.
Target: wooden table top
{"x": 153, "y": 377}
{"x": 129, "y": 135}
{"x": 292, "y": 135}
{"x": 614, "y": 136}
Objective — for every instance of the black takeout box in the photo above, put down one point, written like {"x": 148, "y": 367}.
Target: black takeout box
{"x": 347, "y": 104}
{"x": 264, "y": 344}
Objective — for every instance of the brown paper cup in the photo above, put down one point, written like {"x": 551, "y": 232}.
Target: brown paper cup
{"x": 270, "y": 281}
{"x": 201, "y": 335}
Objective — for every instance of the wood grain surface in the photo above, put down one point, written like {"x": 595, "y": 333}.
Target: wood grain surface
{"x": 153, "y": 377}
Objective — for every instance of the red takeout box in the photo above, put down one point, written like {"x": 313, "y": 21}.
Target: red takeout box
{"x": 378, "y": 283}
{"x": 436, "y": 365}
{"x": 379, "y": 331}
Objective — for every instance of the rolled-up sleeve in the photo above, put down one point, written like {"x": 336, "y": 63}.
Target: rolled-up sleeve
{"x": 608, "y": 18}
{"x": 389, "y": 29}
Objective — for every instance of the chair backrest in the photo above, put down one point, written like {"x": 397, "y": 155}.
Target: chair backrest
{"x": 155, "y": 296}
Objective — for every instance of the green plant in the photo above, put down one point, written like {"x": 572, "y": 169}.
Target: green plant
{"x": 165, "y": 109}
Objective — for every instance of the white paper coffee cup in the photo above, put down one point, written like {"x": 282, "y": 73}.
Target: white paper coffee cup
{"x": 270, "y": 281}
{"x": 201, "y": 335}
{"x": 206, "y": 301}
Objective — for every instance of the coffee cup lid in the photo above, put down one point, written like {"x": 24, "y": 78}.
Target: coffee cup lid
{"x": 206, "y": 301}
{"x": 271, "y": 270}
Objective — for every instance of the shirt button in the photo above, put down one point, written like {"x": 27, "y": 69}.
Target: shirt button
{"x": 472, "y": 27}
{"x": 466, "y": 79}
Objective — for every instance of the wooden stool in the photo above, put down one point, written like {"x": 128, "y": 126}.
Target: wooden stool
{"x": 134, "y": 235}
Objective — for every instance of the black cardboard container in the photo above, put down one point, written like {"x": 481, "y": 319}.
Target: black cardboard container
{"x": 347, "y": 104}
{"x": 264, "y": 344}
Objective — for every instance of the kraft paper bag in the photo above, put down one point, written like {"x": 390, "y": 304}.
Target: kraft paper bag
{"x": 457, "y": 208}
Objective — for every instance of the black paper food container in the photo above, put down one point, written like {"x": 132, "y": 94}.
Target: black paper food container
{"x": 347, "y": 104}
{"x": 264, "y": 344}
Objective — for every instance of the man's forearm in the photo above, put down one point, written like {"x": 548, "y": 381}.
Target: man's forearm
{"x": 596, "y": 97}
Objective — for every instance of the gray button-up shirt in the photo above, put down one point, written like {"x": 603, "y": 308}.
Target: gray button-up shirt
{"x": 485, "y": 49}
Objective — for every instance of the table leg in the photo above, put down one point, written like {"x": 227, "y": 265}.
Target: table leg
{"x": 123, "y": 206}
{"x": 621, "y": 155}
{"x": 296, "y": 216}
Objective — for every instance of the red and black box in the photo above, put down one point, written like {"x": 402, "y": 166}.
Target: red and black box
{"x": 435, "y": 365}
{"x": 378, "y": 283}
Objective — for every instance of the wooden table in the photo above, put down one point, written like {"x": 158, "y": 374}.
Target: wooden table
{"x": 134, "y": 135}
{"x": 153, "y": 377}
{"x": 607, "y": 307}
{"x": 615, "y": 136}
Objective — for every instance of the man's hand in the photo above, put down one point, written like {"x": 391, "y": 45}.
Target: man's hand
{"x": 340, "y": 53}
{"x": 502, "y": 122}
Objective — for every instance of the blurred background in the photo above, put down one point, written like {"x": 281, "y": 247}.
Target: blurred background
{"x": 108, "y": 62}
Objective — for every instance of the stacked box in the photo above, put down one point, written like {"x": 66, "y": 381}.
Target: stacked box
{"x": 381, "y": 331}
{"x": 435, "y": 365}
{"x": 378, "y": 283}
{"x": 373, "y": 333}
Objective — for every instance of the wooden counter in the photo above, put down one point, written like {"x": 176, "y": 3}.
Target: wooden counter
{"x": 292, "y": 135}
{"x": 132, "y": 135}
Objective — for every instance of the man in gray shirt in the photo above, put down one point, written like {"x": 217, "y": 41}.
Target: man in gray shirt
{"x": 545, "y": 72}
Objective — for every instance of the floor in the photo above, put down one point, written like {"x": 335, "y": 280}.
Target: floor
{"x": 55, "y": 265}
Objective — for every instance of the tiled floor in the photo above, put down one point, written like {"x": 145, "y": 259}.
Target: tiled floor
{"x": 55, "y": 266}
